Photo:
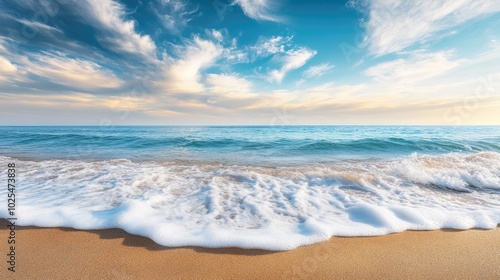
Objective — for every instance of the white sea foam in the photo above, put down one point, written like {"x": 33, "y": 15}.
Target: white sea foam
{"x": 216, "y": 205}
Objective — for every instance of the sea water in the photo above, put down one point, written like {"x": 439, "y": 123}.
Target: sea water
{"x": 268, "y": 187}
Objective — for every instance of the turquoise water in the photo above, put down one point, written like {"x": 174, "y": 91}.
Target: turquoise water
{"x": 272, "y": 188}
{"x": 252, "y": 145}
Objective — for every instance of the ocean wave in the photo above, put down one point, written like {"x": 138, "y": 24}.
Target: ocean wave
{"x": 275, "y": 208}
{"x": 163, "y": 146}
{"x": 388, "y": 145}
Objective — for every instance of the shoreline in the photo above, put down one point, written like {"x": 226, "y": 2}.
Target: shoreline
{"x": 63, "y": 253}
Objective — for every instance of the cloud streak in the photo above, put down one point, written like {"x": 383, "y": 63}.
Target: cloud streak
{"x": 270, "y": 46}
{"x": 226, "y": 83}
{"x": 183, "y": 75}
{"x": 263, "y": 10}
{"x": 75, "y": 73}
{"x": 174, "y": 14}
{"x": 317, "y": 70}
{"x": 418, "y": 66}
{"x": 292, "y": 59}
{"x": 116, "y": 32}
{"x": 394, "y": 25}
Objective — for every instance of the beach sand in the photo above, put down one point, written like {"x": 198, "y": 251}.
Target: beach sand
{"x": 60, "y": 253}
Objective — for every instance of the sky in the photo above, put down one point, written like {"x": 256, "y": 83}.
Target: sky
{"x": 249, "y": 62}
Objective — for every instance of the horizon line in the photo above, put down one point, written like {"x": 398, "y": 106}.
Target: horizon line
{"x": 233, "y": 125}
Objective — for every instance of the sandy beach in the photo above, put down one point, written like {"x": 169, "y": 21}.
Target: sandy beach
{"x": 61, "y": 253}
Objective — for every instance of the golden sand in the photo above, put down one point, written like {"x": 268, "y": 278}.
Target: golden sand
{"x": 60, "y": 253}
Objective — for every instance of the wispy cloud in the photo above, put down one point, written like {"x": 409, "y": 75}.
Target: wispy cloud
{"x": 116, "y": 32}
{"x": 393, "y": 25}
{"x": 38, "y": 26}
{"x": 6, "y": 68}
{"x": 224, "y": 83}
{"x": 282, "y": 52}
{"x": 260, "y": 9}
{"x": 291, "y": 60}
{"x": 269, "y": 46}
{"x": 416, "y": 67}
{"x": 183, "y": 74}
{"x": 174, "y": 14}
{"x": 318, "y": 70}
{"x": 53, "y": 70}
{"x": 74, "y": 73}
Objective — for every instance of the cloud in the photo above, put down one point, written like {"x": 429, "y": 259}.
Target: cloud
{"x": 117, "y": 33}
{"x": 71, "y": 72}
{"x": 2, "y": 47}
{"x": 283, "y": 52}
{"x": 223, "y": 83}
{"x": 317, "y": 70}
{"x": 173, "y": 14}
{"x": 394, "y": 25}
{"x": 64, "y": 108}
{"x": 6, "y": 66}
{"x": 259, "y": 9}
{"x": 7, "y": 69}
{"x": 183, "y": 74}
{"x": 292, "y": 59}
{"x": 47, "y": 72}
{"x": 234, "y": 55}
{"x": 51, "y": 70}
{"x": 184, "y": 69}
{"x": 39, "y": 26}
{"x": 33, "y": 22}
{"x": 269, "y": 46}
{"x": 419, "y": 66}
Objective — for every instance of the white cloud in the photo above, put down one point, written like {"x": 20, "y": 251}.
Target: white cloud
{"x": 2, "y": 47}
{"x": 183, "y": 75}
{"x": 317, "y": 70}
{"x": 269, "y": 46}
{"x": 7, "y": 69}
{"x": 53, "y": 68}
{"x": 259, "y": 9}
{"x": 418, "y": 66}
{"x": 223, "y": 83}
{"x": 80, "y": 74}
{"x": 38, "y": 26}
{"x": 118, "y": 33}
{"x": 216, "y": 35}
{"x": 6, "y": 66}
{"x": 234, "y": 55}
{"x": 394, "y": 25}
{"x": 174, "y": 14}
{"x": 283, "y": 52}
{"x": 292, "y": 59}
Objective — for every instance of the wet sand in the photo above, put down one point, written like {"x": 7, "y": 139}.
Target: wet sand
{"x": 61, "y": 253}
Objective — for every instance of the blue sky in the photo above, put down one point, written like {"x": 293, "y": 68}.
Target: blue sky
{"x": 271, "y": 62}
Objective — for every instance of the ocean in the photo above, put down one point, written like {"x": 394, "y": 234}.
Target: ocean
{"x": 267, "y": 187}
